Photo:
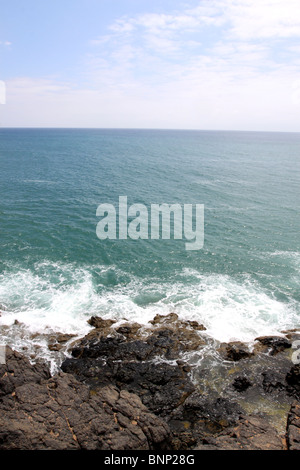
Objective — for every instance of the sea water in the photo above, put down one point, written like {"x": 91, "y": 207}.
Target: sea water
{"x": 55, "y": 272}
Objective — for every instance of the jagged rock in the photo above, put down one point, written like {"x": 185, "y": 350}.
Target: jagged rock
{"x": 59, "y": 413}
{"x": 170, "y": 318}
{"x": 129, "y": 329}
{"x": 241, "y": 384}
{"x": 249, "y": 433}
{"x": 99, "y": 322}
{"x": 293, "y": 427}
{"x": 18, "y": 371}
{"x": 293, "y": 380}
{"x": 57, "y": 342}
{"x": 161, "y": 386}
{"x": 272, "y": 344}
{"x": 234, "y": 351}
{"x": 173, "y": 319}
{"x": 128, "y": 386}
{"x": 137, "y": 362}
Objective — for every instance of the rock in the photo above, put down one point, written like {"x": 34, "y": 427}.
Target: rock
{"x": 201, "y": 417}
{"x": 293, "y": 427}
{"x": 57, "y": 342}
{"x": 234, "y": 351}
{"x": 18, "y": 371}
{"x": 129, "y": 329}
{"x": 293, "y": 380}
{"x": 59, "y": 413}
{"x": 272, "y": 344}
{"x": 138, "y": 362}
{"x": 98, "y": 322}
{"x": 135, "y": 387}
{"x": 161, "y": 386}
{"x": 292, "y": 335}
{"x": 172, "y": 318}
{"x": 241, "y": 384}
{"x": 249, "y": 433}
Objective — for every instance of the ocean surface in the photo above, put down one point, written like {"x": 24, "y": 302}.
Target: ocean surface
{"x": 55, "y": 273}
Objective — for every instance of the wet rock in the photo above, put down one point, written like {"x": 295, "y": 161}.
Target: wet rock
{"x": 127, "y": 386}
{"x": 99, "y": 322}
{"x": 169, "y": 339}
{"x": 292, "y": 334}
{"x": 272, "y": 344}
{"x": 241, "y": 384}
{"x": 129, "y": 329}
{"x": 249, "y": 433}
{"x": 293, "y": 380}
{"x": 293, "y": 427}
{"x": 57, "y": 342}
{"x": 234, "y": 351}
{"x": 201, "y": 417}
{"x": 139, "y": 361}
{"x": 59, "y": 413}
{"x": 172, "y": 318}
{"x": 161, "y": 386}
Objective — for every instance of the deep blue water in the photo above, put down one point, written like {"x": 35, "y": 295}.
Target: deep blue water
{"x": 55, "y": 272}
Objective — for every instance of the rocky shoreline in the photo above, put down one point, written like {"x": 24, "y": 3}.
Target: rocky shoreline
{"x": 163, "y": 386}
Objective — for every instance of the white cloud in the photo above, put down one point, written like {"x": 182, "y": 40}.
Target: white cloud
{"x": 227, "y": 64}
{"x": 263, "y": 19}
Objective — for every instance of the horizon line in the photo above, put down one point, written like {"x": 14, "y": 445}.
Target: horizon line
{"x": 147, "y": 129}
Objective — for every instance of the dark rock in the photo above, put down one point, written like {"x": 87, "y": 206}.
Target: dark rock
{"x": 249, "y": 433}
{"x": 293, "y": 427}
{"x": 274, "y": 381}
{"x": 129, "y": 329}
{"x": 272, "y": 344}
{"x": 98, "y": 322}
{"x": 172, "y": 318}
{"x": 59, "y": 413}
{"x": 201, "y": 417}
{"x": 293, "y": 380}
{"x": 139, "y": 362}
{"x": 161, "y": 386}
{"x": 241, "y": 384}
{"x": 18, "y": 371}
{"x": 57, "y": 341}
{"x": 131, "y": 387}
{"x": 234, "y": 351}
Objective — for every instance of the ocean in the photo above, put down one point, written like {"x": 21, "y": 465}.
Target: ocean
{"x": 55, "y": 272}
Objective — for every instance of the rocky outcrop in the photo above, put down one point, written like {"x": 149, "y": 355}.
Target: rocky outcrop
{"x": 249, "y": 433}
{"x": 128, "y": 386}
{"x": 293, "y": 427}
{"x": 42, "y": 412}
{"x": 145, "y": 363}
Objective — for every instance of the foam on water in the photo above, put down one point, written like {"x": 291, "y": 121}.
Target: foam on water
{"x": 62, "y": 297}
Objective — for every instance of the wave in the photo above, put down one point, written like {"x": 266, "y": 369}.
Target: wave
{"x": 56, "y": 297}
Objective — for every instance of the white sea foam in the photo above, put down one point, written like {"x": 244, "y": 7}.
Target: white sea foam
{"x": 61, "y": 298}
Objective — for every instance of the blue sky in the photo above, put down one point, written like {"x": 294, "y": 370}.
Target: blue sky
{"x": 210, "y": 64}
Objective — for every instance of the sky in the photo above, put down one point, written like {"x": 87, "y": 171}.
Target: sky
{"x": 205, "y": 64}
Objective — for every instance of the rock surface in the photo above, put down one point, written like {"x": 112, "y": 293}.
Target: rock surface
{"x": 127, "y": 386}
{"x": 41, "y": 412}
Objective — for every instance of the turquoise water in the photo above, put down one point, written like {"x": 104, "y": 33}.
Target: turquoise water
{"x": 55, "y": 272}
